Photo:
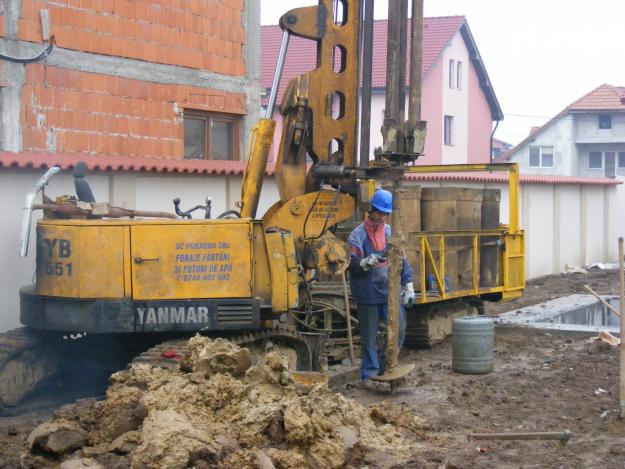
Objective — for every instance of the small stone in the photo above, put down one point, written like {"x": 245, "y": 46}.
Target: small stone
{"x": 125, "y": 443}
{"x": 57, "y": 437}
{"x": 263, "y": 461}
{"x": 348, "y": 436}
{"x": 83, "y": 463}
{"x": 227, "y": 446}
{"x": 210, "y": 357}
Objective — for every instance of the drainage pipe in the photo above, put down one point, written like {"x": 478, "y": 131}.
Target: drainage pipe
{"x": 621, "y": 278}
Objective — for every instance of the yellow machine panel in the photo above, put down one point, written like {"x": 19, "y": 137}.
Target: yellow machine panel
{"x": 284, "y": 272}
{"x": 78, "y": 261}
{"x": 211, "y": 259}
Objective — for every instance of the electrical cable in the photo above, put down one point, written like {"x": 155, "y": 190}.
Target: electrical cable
{"x": 227, "y": 214}
{"x": 25, "y": 60}
{"x": 322, "y": 306}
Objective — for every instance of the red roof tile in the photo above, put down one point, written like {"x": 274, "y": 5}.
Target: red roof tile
{"x": 41, "y": 160}
{"x": 66, "y": 161}
{"x": 605, "y": 97}
{"x": 301, "y": 55}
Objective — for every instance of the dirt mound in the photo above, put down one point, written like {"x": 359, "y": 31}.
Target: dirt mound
{"x": 217, "y": 411}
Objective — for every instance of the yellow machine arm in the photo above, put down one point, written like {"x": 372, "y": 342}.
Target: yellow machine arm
{"x": 325, "y": 99}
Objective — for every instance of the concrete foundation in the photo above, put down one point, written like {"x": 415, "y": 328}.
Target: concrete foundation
{"x": 578, "y": 313}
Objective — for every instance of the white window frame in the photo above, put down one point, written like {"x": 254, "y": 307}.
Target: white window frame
{"x": 459, "y": 75}
{"x": 448, "y": 130}
{"x": 541, "y": 163}
{"x": 452, "y": 72}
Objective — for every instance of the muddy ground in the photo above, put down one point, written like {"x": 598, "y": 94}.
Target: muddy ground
{"x": 543, "y": 381}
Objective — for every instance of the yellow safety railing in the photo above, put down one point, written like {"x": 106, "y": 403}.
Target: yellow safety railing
{"x": 509, "y": 240}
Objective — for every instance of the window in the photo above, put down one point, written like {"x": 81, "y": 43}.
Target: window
{"x": 452, "y": 70}
{"x": 547, "y": 157}
{"x": 459, "y": 75}
{"x": 449, "y": 130}
{"x": 609, "y": 159}
{"x": 621, "y": 159}
{"x": 535, "y": 157}
{"x": 211, "y": 136}
{"x": 541, "y": 157}
{"x": 595, "y": 160}
{"x": 605, "y": 121}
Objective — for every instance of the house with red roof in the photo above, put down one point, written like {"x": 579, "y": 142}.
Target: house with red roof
{"x": 458, "y": 101}
{"x": 500, "y": 148}
{"x": 587, "y": 138}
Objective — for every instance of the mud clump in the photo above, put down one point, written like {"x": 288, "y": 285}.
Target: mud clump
{"x": 218, "y": 411}
{"x": 215, "y": 356}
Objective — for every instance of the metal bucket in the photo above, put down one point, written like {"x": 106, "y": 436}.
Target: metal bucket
{"x": 472, "y": 344}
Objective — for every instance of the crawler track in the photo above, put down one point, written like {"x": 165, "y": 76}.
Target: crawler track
{"x": 26, "y": 359}
{"x": 309, "y": 347}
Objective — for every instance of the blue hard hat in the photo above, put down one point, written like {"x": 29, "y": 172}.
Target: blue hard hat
{"x": 382, "y": 201}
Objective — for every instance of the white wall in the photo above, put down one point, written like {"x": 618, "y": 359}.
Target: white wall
{"x": 615, "y": 220}
{"x": 560, "y": 137}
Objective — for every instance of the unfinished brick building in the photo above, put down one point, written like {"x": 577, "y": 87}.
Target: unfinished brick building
{"x": 133, "y": 78}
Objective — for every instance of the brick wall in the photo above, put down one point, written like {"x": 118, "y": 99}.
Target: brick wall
{"x": 71, "y": 111}
{"x": 201, "y": 34}
{"x": 72, "y": 104}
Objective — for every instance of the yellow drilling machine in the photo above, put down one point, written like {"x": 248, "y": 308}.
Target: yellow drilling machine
{"x": 141, "y": 279}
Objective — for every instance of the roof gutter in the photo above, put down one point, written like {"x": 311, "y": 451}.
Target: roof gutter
{"x": 492, "y": 135}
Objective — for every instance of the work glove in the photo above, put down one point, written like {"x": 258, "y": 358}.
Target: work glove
{"x": 370, "y": 261}
{"x": 409, "y": 297}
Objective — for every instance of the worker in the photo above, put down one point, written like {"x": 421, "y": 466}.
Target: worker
{"x": 369, "y": 283}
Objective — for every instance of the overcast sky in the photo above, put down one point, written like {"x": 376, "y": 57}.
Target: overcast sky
{"x": 540, "y": 55}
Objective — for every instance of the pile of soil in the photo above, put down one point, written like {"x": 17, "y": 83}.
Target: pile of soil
{"x": 216, "y": 410}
